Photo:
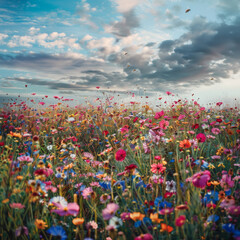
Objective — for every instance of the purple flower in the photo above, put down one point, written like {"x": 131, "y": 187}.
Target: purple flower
{"x": 21, "y": 230}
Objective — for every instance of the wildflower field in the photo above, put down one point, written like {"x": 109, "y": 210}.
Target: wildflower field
{"x": 119, "y": 171}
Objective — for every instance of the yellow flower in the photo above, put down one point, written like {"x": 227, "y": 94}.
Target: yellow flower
{"x": 221, "y": 165}
{"x": 211, "y": 166}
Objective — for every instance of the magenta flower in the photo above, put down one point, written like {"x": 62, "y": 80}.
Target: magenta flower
{"x": 146, "y": 236}
{"x": 109, "y": 211}
{"x": 166, "y": 211}
{"x": 180, "y": 220}
{"x": 70, "y": 209}
{"x": 234, "y": 210}
{"x": 201, "y": 137}
{"x": 200, "y": 179}
{"x": 159, "y": 114}
{"x": 120, "y": 155}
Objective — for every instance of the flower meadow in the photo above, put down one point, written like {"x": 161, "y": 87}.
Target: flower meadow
{"x": 119, "y": 171}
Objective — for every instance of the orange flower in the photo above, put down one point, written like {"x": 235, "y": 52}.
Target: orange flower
{"x": 78, "y": 221}
{"x": 166, "y": 228}
{"x": 215, "y": 183}
{"x": 154, "y": 218}
{"x": 185, "y": 144}
{"x": 136, "y": 216}
{"x": 5, "y": 200}
{"x": 40, "y": 224}
{"x": 19, "y": 177}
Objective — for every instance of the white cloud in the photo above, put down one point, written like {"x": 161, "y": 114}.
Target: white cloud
{"x": 33, "y": 30}
{"x": 54, "y": 40}
{"x": 3, "y": 36}
{"x": 126, "y": 5}
{"x": 86, "y": 38}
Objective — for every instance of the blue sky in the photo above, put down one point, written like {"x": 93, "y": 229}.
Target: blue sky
{"x": 68, "y": 48}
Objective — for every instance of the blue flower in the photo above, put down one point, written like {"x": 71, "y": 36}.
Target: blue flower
{"x": 229, "y": 227}
{"x": 157, "y": 201}
{"x": 137, "y": 224}
{"x": 211, "y": 197}
{"x": 57, "y": 231}
{"x": 213, "y": 218}
{"x": 147, "y": 221}
{"x": 228, "y": 192}
{"x": 105, "y": 185}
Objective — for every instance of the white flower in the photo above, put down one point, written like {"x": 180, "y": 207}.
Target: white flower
{"x": 115, "y": 222}
{"x": 49, "y": 147}
{"x": 171, "y": 186}
{"x": 60, "y": 200}
{"x": 71, "y": 119}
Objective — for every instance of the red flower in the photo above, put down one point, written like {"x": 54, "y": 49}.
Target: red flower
{"x": 195, "y": 126}
{"x": 120, "y": 155}
{"x": 105, "y": 132}
{"x": 180, "y": 220}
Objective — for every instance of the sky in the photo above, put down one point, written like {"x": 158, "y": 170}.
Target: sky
{"x": 68, "y": 48}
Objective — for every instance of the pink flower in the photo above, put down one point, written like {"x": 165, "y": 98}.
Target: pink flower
{"x": 200, "y": 179}
{"x": 70, "y": 209}
{"x": 182, "y": 116}
{"x": 17, "y": 205}
{"x": 215, "y": 131}
{"x": 219, "y": 103}
{"x": 25, "y": 159}
{"x": 87, "y": 192}
{"x": 41, "y": 103}
{"x": 109, "y": 211}
{"x": 165, "y": 211}
{"x": 226, "y": 182}
{"x": 201, "y": 137}
{"x": 157, "y": 168}
{"x": 159, "y": 114}
{"x": 120, "y": 155}
{"x": 146, "y": 236}
{"x": 180, "y": 220}
{"x": 163, "y": 124}
{"x": 168, "y": 93}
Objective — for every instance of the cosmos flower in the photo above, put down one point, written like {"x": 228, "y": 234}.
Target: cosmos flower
{"x": 200, "y": 179}
{"x": 109, "y": 211}
{"x": 70, "y": 209}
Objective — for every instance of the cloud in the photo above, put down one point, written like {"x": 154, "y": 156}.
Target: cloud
{"x": 2, "y": 37}
{"x": 33, "y": 30}
{"x": 53, "y": 40}
{"x": 124, "y": 6}
{"x": 124, "y": 27}
{"x": 84, "y": 10}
